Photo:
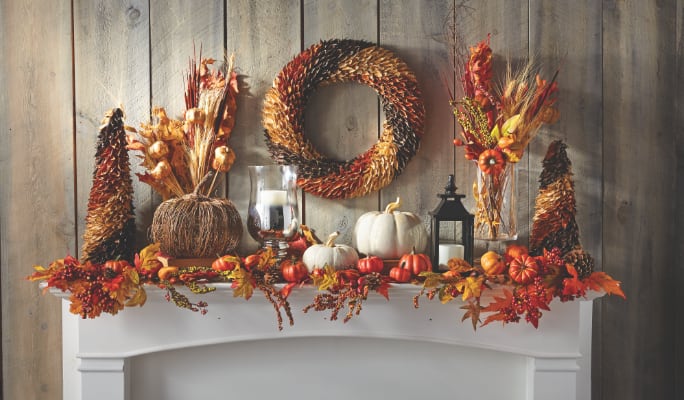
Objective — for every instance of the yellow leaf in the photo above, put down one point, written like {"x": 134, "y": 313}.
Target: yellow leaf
{"x": 470, "y": 287}
{"x": 328, "y": 280}
{"x": 432, "y": 279}
{"x": 511, "y": 125}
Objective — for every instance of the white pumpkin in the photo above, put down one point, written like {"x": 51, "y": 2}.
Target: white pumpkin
{"x": 390, "y": 234}
{"x": 338, "y": 256}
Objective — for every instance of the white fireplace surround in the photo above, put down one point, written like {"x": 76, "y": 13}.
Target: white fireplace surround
{"x": 390, "y": 351}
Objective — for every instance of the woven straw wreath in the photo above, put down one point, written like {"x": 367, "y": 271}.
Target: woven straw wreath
{"x": 336, "y": 61}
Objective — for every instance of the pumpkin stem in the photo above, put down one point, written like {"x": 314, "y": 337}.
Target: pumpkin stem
{"x": 393, "y": 206}
{"x": 331, "y": 239}
{"x": 203, "y": 182}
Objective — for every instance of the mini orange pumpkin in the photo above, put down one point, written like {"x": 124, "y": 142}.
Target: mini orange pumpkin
{"x": 116, "y": 266}
{"x": 293, "y": 271}
{"x": 400, "y": 274}
{"x": 415, "y": 262}
{"x": 491, "y": 162}
{"x": 523, "y": 269}
{"x": 492, "y": 263}
{"x": 515, "y": 251}
{"x": 370, "y": 264}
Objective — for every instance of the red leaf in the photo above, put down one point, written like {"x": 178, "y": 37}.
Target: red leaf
{"x": 383, "y": 289}
{"x": 573, "y": 286}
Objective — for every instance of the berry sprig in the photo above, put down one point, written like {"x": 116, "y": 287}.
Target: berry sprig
{"x": 345, "y": 289}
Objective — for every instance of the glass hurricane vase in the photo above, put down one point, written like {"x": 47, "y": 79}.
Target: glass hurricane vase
{"x": 495, "y": 213}
{"x": 273, "y": 212}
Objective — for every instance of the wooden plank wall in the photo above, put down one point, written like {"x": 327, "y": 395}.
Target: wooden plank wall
{"x": 65, "y": 62}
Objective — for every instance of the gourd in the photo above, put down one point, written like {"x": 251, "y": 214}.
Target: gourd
{"x": 338, "y": 256}
{"x": 389, "y": 234}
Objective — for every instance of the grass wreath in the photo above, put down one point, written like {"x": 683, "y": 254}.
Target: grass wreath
{"x": 336, "y": 61}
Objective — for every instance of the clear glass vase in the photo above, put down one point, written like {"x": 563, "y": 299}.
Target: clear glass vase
{"x": 273, "y": 212}
{"x": 495, "y": 214}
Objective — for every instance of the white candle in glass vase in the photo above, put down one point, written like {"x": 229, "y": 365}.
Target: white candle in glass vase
{"x": 272, "y": 198}
{"x": 273, "y": 204}
{"x": 447, "y": 252}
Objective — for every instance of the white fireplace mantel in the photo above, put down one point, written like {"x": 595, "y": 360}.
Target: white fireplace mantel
{"x": 552, "y": 362}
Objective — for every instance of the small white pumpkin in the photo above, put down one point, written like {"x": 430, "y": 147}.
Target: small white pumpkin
{"x": 390, "y": 234}
{"x": 338, "y": 256}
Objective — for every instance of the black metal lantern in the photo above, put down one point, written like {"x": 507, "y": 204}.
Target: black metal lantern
{"x": 450, "y": 209}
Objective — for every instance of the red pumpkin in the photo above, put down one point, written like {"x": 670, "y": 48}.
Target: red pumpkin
{"x": 523, "y": 269}
{"x": 225, "y": 263}
{"x": 370, "y": 264}
{"x": 293, "y": 271}
{"x": 415, "y": 263}
{"x": 400, "y": 274}
{"x": 116, "y": 266}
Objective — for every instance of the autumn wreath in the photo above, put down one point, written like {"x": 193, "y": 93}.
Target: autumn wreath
{"x": 336, "y": 61}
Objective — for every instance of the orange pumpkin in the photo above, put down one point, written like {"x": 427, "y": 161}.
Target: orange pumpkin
{"x": 523, "y": 269}
{"x": 416, "y": 263}
{"x": 400, "y": 274}
{"x": 515, "y": 251}
{"x": 491, "y": 162}
{"x": 293, "y": 271}
{"x": 116, "y": 266}
{"x": 370, "y": 264}
{"x": 492, "y": 263}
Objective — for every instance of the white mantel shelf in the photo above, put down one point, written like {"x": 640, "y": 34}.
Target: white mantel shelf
{"x": 97, "y": 352}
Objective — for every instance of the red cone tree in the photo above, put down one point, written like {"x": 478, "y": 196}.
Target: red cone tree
{"x": 110, "y": 222}
{"x": 554, "y": 222}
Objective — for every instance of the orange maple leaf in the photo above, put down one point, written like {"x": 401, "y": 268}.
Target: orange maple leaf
{"x": 499, "y": 304}
{"x": 602, "y": 281}
{"x": 473, "y": 309}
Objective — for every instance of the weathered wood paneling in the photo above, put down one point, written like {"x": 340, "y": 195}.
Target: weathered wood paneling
{"x": 638, "y": 209}
{"x": 264, "y": 35}
{"x": 579, "y": 82}
{"x": 341, "y": 120}
{"x": 179, "y": 30}
{"x": 111, "y": 69}
{"x": 415, "y": 31}
{"x": 37, "y": 189}
{"x": 617, "y": 58}
{"x": 679, "y": 222}
{"x": 507, "y": 23}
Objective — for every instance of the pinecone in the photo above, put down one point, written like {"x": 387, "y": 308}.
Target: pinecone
{"x": 272, "y": 275}
{"x": 582, "y": 261}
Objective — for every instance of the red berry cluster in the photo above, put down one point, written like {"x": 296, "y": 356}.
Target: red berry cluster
{"x": 531, "y": 300}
